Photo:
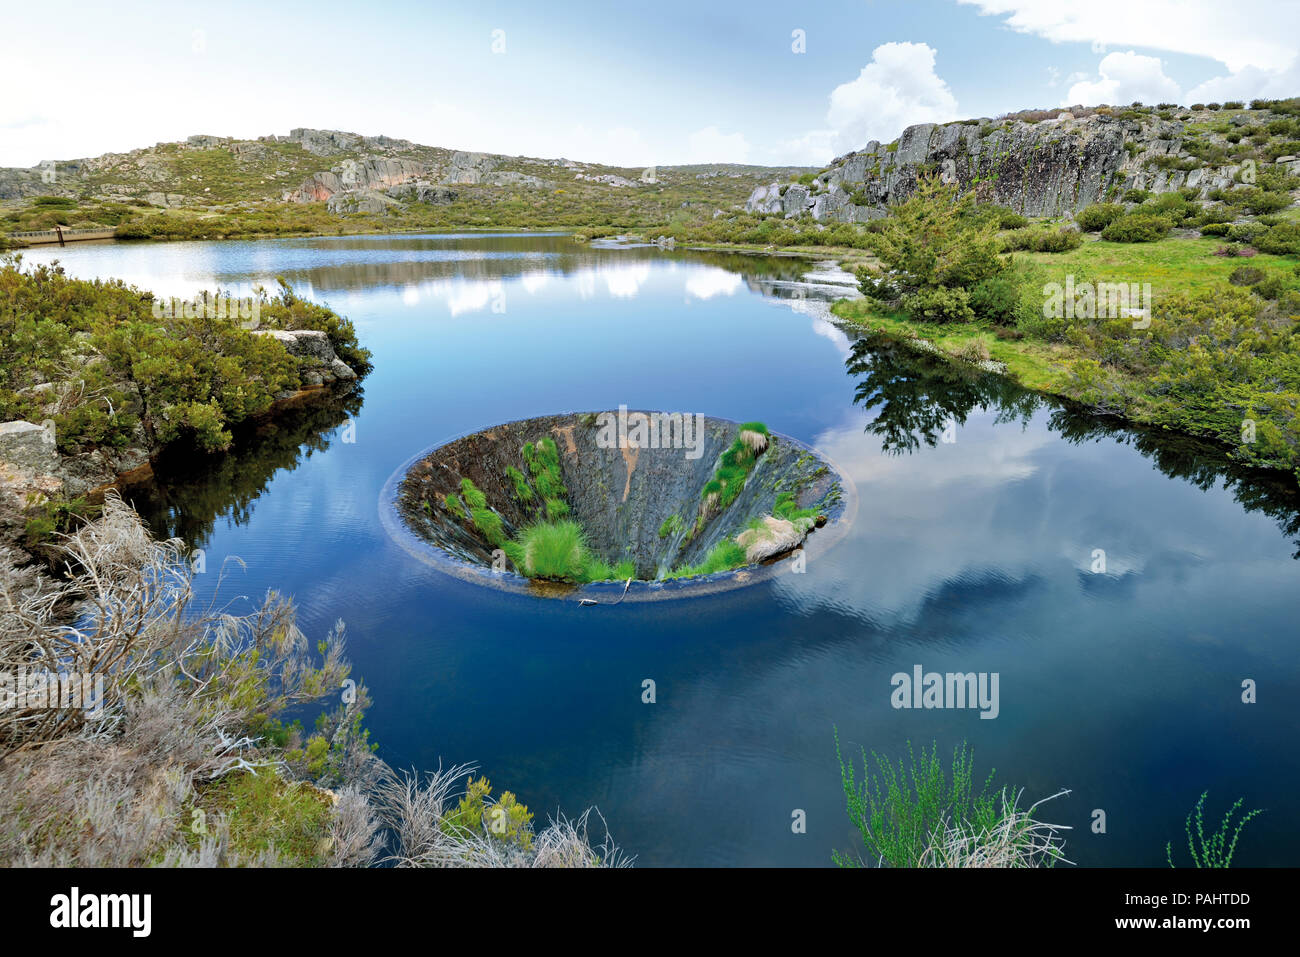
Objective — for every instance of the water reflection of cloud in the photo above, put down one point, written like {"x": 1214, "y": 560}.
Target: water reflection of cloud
{"x": 534, "y": 281}
{"x": 624, "y": 282}
{"x": 709, "y": 282}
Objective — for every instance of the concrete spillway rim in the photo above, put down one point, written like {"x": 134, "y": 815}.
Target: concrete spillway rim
{"x": 817, "y": 544}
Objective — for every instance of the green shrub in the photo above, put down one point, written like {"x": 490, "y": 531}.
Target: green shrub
{"x": 1246, "y": 276}
{"x": 1262, "y": 202}
{"x": 996, "y": 300}
{"x": 1283, "y": 240}
{"x": 672, "y": 525}
{"x": 1218, "y": 849}
{"x": 1273, "y": 287}
{"x": 1214, "y": 229}
{"x": 1010, "y": 219}
{"x": 1042, "y": 240}
{"x": 898, "y": 809}
{"x": 939, "y": 304}
{"x": 1136, "y": 195}
{"x": 1136, "y": 227}
{"x": 1097, "y": 217}
{"x": 523, "y": 491}
{"x": 1246, "y": 232}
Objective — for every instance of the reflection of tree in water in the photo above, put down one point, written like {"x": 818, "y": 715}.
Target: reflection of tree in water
{"x": 192, "y": 491}
{"x": 1197, "y": 461}
{"x": 917, "y": 395}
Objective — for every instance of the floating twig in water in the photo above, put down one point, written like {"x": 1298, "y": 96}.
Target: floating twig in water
{"x": 591, "y": 601}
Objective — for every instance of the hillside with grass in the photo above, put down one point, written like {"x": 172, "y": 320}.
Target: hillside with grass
{"x": 328, "y": 182}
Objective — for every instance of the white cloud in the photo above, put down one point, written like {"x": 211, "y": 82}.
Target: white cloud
{"x": 1248, "y": 84}
{"x": 711, "y": 145}
{"x": 895, "y": 90}
{"x": 1259, "y": 33}
{"x": 1254, "y": 39}
{"x": 813, "y": 148}
{"x": 1124, "y": 78}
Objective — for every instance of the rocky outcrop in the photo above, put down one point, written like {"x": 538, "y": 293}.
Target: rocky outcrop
{"x": 420, "y": 192}
{"x": 468, "y": 169}
{"x": 370, "y": 174}
{"x": 312, "y": 348}
{"x": 773, "y": 536}
{"x": 1051, "y": 167}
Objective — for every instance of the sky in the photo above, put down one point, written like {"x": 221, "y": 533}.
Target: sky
{"x": 628, "y": 84}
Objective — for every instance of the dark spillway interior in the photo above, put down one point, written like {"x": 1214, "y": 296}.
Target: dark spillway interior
{"x": 621, "y": 496}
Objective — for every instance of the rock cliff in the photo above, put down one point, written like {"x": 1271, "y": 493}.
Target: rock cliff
{"x": 1038, "y": 166}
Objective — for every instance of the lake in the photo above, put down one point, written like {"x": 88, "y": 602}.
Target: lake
{"x": 1121, "y": 584}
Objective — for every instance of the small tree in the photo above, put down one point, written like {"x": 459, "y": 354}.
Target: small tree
{"x": 935, "y": 238}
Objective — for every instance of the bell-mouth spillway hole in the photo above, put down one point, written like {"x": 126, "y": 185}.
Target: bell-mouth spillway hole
{"x": 576, "y": 504}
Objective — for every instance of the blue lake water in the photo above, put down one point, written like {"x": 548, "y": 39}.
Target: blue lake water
{"x": 970, "y": 555}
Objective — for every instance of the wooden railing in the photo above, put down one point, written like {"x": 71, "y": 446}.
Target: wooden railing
{"x": 61, "y": 235}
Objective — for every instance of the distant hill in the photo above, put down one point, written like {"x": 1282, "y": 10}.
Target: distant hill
{"x": 352, "y": 173}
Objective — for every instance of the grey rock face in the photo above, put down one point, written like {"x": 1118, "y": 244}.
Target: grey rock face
{"x": 29, "y": 447}
{"x": 311, "y": 346}
{"x": 423, "y": 193}
{"x": 467, "y": 169}
{"x": 1049, "y": 168}
{"x": 359, "y": 201}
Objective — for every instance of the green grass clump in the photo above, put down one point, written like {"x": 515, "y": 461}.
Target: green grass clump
{"x": 474, "y": 497}
{"x": 734, "y": 466}
{"x": 599, "y": 570}
{"x": 1218, "y": 848}
{"x": 723, "y": 557}
{"x": 454, "y": 506}
{"x": 671, "y": 526}
{"x": 556, "y": 509}
{"x": 786, "y": 508}
{"x": 523, "y": 491}
{"x": 489, "y": 523}
{"x": 543, "y": 461}
{"x": 556, "y": 550}
{"x": 896, "y": 809}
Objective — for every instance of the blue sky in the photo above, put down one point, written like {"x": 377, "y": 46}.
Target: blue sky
{"x": 628, "y": 83}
